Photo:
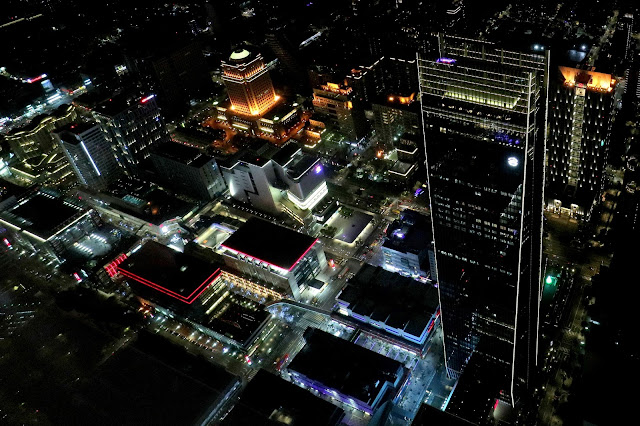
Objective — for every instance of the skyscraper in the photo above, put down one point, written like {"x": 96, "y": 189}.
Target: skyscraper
{"x": 484, "y": 112}
{"x": 133, "y": 127}
{"x": 248, "y": 83}
{"x": 581, "y": 111}
{"x": 90, "y": 154}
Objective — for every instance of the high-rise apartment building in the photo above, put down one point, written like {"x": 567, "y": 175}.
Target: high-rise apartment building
{"x": 133, "y": 127}
{"x": 90, "y": 154}
{"x": 248, "y": 83}
{"x": 484, "y": 130}
{"x": 581, "y": 108}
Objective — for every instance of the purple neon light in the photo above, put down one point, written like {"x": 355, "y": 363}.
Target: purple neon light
{"x": 447, "y": 61}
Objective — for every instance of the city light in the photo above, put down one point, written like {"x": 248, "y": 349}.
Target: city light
{"x": 512, "y": 161}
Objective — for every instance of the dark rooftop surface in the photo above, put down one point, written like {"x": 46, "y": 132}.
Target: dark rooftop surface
{"x": 286, "y": 153}
{"x": 339, "y": 364}
{"x": 67, "y": 132}
{"x": 413, "y": 107}
{"x": 236, "y": 317}
{"x": 411, "y": 233}
{"x": 78, "y": 128}
{"x": 271, "y": 400}
{"x": 183, "y": 154}
{"x": 146, "y": 201}
{"x": 151, "y": 382}
{"x": 165, "y": 270}
{"x": 300, "y": 165}
{"x": 113, "y": 106}
{"x": 428, "y": 416}
{"x": 398, "y": 301}
{"x": 253, "y": 158}
{"x": 270, "y": 243}
{"x": 42, "y": 214}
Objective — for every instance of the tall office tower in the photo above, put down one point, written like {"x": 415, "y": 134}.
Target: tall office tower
{"x": 367, "y": 81}
{"x": 133, "y": 126}
{"x": 626, "y": 24}
{"x": 335, "y": 102}
{"x": 90, "y": 154}
{"x": 484, "y": 131}
{"x": 581, "y": 109}
{"x": 248, "y": 83}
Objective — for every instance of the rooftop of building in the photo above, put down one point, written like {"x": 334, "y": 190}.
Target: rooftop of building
{"x": 402, "y": 169}
{"x": 241, "y": 55}
{"x": 274, "y": 244}
{"x": 286, "y": 154}
{"x": 43, "y": 213}
{"x": 235, "y": 317}
{"x": 411, "y": 233}
{"x": 67, "y": 132}
{"x": 250, "y": 157}
{"x": 120, "y": 103}
{"x": 301, "y": 164}
{"x": 428, "y": 415}
{"x": 591, "y": 80}
{"x": 406, "y": 102}
{"x": 271, "y": 400}
{"x": 182, "y": 154}
{"x": 146, "y": 201}
{"x": 384, "y": 296}
{"x": 338, "y": 364}
{"x": 36, "y": 121}
{"x": 279, "y": 112}
{"x": 151, "y": 381}
{"x": 168, "y": 271}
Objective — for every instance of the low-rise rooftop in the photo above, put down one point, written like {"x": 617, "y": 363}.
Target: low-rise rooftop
{"x": 398, "y": 301}
{"x": 182, "y": 154}
{"x": 338, "y": 364}
{"x": 273, "y": 244}
{"x": 164, "y": 270}
{"x": 43, "y": 213}
{"x": 271, "y": 400}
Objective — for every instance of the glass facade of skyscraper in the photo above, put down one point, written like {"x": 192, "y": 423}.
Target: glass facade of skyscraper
{"x": 484, "y": 114}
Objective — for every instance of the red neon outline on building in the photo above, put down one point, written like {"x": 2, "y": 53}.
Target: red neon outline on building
{"x": 168, "y": 292}
{"x": 145, "y": 281}
{"x": 269, "y": 263}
